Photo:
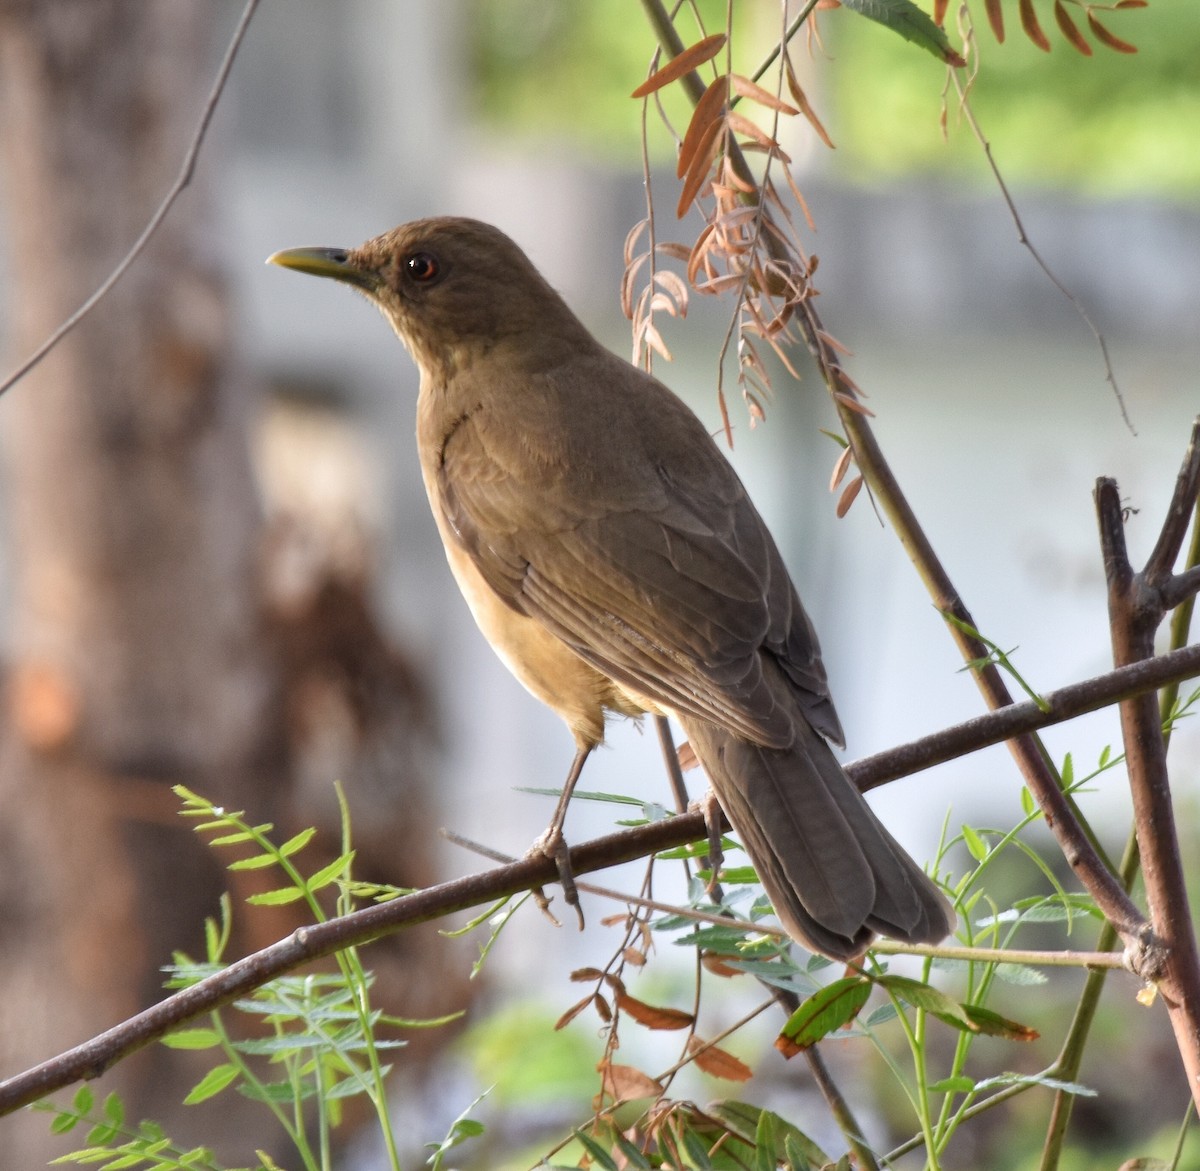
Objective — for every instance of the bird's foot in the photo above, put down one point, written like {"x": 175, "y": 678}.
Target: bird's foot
{"x": 553, "y": 845}
{"x": 711, "y": 809}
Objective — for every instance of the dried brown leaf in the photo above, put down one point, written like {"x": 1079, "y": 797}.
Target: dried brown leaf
{"x": 845, "y": 380}
{"x": 852, "y": 404}
{"x": 755, "y": 93}
{"x": 1107, "y": 38}
{"x": 691, "y": 58}
{"x": 798, "y": 96}
{"x": 719, "y": 966}
{"x": 580, "y": 975}
{"x": 1070, "y": 29}
{"x": 801, "y": 202}
{"x": 731, "y": 178}
{"x": 719, "y": 1062}
{"x": 740, "y": 124}
{"x": 699, "y": 252}
{"x": 848, "y": 496}
{"x": 719, "y": 284}
{"x": 602, "y": 1007}
{"x": 832, "y": 342}
{"x": 1029, "y": 22}
{"x": 631, "y": 955}
{"x": 698, "y": 171}
{"x": 939, "y": 11}
{"x": 1131, "y": 4}
{"x": 674, "y": 250}
{"x": 571, "y": 1013}
{"x": 649, "y": 335}
{"x": 626, "y": 1083}
{"x": 840, "y": 466}
{"x": 651, "y": 1015}
{"x": 675, "y": 287}
{"x": 660, "y": 301}
{"x": 632, "y": 237}
{"x": 995, "y": 17}
{"x": 709, "y": 109}
{"x": 629, "y": 280}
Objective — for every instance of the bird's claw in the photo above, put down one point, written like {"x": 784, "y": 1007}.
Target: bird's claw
{"x": 553, "y": 845}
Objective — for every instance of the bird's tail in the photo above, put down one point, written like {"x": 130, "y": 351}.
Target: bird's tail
{"x": 835, "y": 876}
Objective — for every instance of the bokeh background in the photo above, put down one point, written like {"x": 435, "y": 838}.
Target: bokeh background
{"x": 220, "y": 569}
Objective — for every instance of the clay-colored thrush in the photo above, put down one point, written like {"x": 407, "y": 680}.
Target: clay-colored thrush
{"x": 614, "y": 561}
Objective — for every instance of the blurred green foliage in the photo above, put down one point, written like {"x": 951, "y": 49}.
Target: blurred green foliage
{"x": 1112, "y": 123}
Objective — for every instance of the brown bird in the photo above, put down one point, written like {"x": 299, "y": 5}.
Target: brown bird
{"x": 613, "y": 559}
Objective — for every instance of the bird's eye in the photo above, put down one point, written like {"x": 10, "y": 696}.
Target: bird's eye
{"x": 422, "y": 267}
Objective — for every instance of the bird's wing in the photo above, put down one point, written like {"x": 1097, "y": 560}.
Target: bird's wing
{"x": 666, "y": 580}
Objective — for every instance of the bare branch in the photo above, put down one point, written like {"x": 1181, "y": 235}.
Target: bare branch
{"x": 1136, "y": 608}
{"x": 93, "y": 1057}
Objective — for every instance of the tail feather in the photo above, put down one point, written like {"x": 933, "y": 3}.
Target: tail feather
{"x": 833, "y": 872}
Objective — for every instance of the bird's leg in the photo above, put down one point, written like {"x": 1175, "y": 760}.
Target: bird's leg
{"x": 713, "y": 814}
{"x": 554, "y": 845}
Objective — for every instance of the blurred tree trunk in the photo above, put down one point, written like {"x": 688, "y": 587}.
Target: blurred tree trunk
{"x": 137, "y": 653}
{"x": 141, "y": 653}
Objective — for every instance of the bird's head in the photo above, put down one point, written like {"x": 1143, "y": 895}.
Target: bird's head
{"x": 452, "y": 288}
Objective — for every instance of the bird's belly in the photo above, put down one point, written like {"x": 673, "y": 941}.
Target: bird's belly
{"x": 543, "y": 663}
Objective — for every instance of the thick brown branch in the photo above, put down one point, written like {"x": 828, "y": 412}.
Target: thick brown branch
{"x": 1136, "y": 608}
{"x": 101, "y": 1052}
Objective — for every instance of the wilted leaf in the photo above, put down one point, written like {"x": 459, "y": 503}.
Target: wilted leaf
{"x": 840, "y": 466}
{"x": 749, "y": 89}
{"x": 709, "y": 109}
{"x": 582, "y": 975}
{"x": 823, "y": 1013}
{"x": 648, "y": 334}
{"x": 848, "y": 496}
{"x": 939, "y": 11}
{"x": 740, "y": 124}
{"x": 691, "y": 58}
{"x": 626, "y": 1082}
{"x": 1029, "y": 22}
{"x": 701, "y": 163}
{"x": 572, "y": 1012}
{"x": 719, "y": 965}
{"x": 852, "y": 404}
{"x": 995, "y": 17}
{"x": 798, "y": 96}
{"x": 717, "y": 1062}
{"x": 1070, "y": 29}
{"x": 1106, "y": 38}
{"x": 653, "y": 1016}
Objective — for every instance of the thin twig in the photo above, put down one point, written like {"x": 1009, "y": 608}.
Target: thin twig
{"x": 186, "y": 171}
{"x": 1023, "y": 238}
{"x": 981, "y": 955}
